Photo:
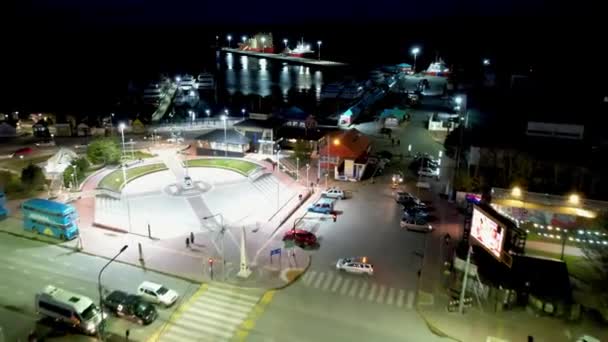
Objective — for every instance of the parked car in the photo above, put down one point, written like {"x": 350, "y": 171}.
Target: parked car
{"x": 46, "y": 143}
{"x": 300, "y": 237}
{"x": 415, "y": 223}
{"x": 323, "y": 205}
{"x": 356, "y": 265}
{"x": 156, "y": 293}
{"x": 334, "y": 192}
{"x": 415, "y": 211}
{"x": 22, "y": 152}
{"x": 429, "y": 172}
{"x": 131, "y": 307}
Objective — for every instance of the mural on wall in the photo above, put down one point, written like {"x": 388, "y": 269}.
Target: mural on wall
{"x": 542, "y": 217}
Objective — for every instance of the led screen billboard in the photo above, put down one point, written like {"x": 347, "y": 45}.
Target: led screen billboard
{"x": 488, "y": 232}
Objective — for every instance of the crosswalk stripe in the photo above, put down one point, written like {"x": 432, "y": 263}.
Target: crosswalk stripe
{"x": 233, "y": 293}
{"x": 195, "y": 329}
{"x": 336, "y": 284}
{"x": 362, "y": 290}
{"x": 219, "y": 309}
{"x": 209, "y": 317}
{"x": 311, "y": 275}
{"x": 179, "y": 335}
{"x": 381, "y": 294}
{"x": 330, "y": 277}
{"x": 353, "y": 289}
{"x": 410, "y": 299}
{"x": 372, "y": 292}
{"x": 400, "y": 298}
{"x": 389, "y": 298}
{"x": 319, "y": 280}
{"x": 215, "y": 302}
{"x": 345, "y": 286}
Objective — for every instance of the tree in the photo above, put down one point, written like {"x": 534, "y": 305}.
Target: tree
{"x": 77, "y": 170}
{"x": 104, "y": 151}
{"x": 33, "y": 178}
{"x": 301, "y": 150}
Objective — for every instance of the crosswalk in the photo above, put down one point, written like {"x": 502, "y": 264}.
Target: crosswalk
{"x": 213, "y": 314}
{"x": 360, "y": 288}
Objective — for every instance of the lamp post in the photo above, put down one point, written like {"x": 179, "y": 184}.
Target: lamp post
{"x": 224, "y": 118}
{"x": 285, "y": 42}
{"x": 307, "y": 169}
{"x": 244, "y": 39}
{"x": 122, "y": 126}
{"x": 415, "y": 52}
{"x": 297, "y": 169}
{"x": 319, "y": 48}
{"x": 208, "y": 112}
{"x": 243, "y": 112}
{"x": 100, "y": 330}
{"x": 74, "y": 177}
{"x": 229, "y": 38}
{"x": 263, "y": 39}
{"x": 222, "y": 231}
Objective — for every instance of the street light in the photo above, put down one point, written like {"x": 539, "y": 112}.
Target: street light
{"x": 263, "y": 39}
{"x": 574, "y": 199}
{"x": 415, "y": 52}
{"x": 222, "y": 231}
{"x": 224, "y": 117}
{"x": 244, "y": 39}
{"x": 285, "y": 42}
{"x": 207, "y": 112}
{"x": 243, "y": 112}
{"x": 74, "y": 177}
{"x": 229, "y": 38}
{"x": 99, "y": 288}
{"x": 486, "y": 62}
{"x": 319, "y": 52}
{"x": 122, "y": 133}
{"x": 307, "y": 169}
{"x": 516, "y": 192}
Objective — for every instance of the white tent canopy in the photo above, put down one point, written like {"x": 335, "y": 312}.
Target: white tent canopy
{"x": 60, "y": 161}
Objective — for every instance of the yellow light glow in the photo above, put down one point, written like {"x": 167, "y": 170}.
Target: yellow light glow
{"x": 574, "y": 199}
{"x": 516, "y": 192}
{"x": 336, "y": 141}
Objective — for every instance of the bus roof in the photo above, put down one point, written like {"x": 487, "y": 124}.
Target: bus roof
{"x": 53, "y": 206}
{"x": 78, "y": 302}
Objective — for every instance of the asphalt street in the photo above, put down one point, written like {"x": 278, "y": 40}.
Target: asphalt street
{"x": 27, "y": 266}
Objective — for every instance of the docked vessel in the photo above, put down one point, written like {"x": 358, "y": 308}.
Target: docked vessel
{"x": 301, "y": 50}
{"x": 153, "y": 94}
{"x": 438, "y": 68}
{"x": 205, "y": 81}
{"x": 186, "y": 83}
{"x": 352, "y": 91}
{"x": 261, "y": 42}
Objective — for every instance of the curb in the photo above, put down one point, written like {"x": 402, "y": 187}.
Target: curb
{"x": 114, "y": 229}
{"x": 304, "y": 270}
{"x": 433, "y": 328}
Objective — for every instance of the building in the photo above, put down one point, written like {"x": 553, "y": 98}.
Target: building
{"x": 261, "y": 129}
{"x": 346, "y": 152}
{"x": 219, "y": 142}
{"x": 392, "y": 117}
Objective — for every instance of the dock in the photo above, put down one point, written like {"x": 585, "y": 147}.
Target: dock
{"x": 164, "y": 104}
{"x": 288, "y": 59}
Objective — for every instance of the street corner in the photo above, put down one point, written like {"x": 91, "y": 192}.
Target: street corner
{"x": 289, "y": 275}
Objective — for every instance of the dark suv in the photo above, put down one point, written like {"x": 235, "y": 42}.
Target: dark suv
{"x": 131, "y": 307}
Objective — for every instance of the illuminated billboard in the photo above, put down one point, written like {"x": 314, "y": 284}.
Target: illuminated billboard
{"x": 488, "y": 232}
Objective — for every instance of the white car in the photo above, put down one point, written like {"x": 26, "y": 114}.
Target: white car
{"x": 428, "y": 172}
{"x": 417, "y": 225}
{"x": 156, "y": 293}
{"x": 355, "y": 265}
{"x": 334, "y": 193}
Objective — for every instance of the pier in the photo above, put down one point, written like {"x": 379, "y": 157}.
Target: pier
{"x": 288, "y": 59}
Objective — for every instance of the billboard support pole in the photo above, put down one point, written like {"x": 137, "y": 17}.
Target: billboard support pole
{"x": 464, "y": 281}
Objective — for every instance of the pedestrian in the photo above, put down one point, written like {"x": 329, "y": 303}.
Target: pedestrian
{"x": 191, "y": 237}
{"x": 300, "y": 197}
{"x": 398, "y": 142}
{"x": 187, "y": 242}
{"x": 274, "y": 166}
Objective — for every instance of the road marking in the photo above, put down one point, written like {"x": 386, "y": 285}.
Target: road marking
{"x": 345, "y": 286}
{"x": 410, "y": 299}
{"x": 319, "y": 280}
{"x": 330, "y": 277}
{"x": 336, "y": 284}
{"x": 372, "y": 292}
{"x": 381, "y": 294}
{"x": 389, "y": 299}
{"x": 20, "y": 293}
{"x": 80, "y": 288}
{"x": 362, "y": 290}
{"x": 353, "y": 289}
{"x": 311, "y": 275}
{"x": 46, "y": 277}
{"x": 400, "y": 298}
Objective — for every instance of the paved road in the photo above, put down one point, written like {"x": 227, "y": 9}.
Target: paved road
{"x": 27, "y": 266}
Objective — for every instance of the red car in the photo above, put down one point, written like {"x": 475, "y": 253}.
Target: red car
{"x": 300, "y": 237}
{"x": 23, "y": 152}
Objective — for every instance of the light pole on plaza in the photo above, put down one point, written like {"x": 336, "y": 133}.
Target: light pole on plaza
{"x": 307, "y": 169}
{"x": 244, "y": 39}
{"x": 229, "y": 38}
{"x": 297, "y": 169}
{"x": 263, "y": 39}
{"x": 122, "y": 126}
{"x": 243, "y": 112}
{"x": 224, "y": 118}
{"x": 74, "y": 177}
{"x": 319, "y": 48}
{"x": 222, "y": 231}
{"x": 415, "y": 52}
{"x": 100, "y": 330}
{"x": 208, "y": 112}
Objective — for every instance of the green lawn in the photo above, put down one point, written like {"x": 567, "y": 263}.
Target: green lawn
{"x": 242, "y": 166}
{"x": 578, "y": 266}
{"x": 18, "y": 164}
{"x": 114, "y": 181}
{"x": 136, "y": 155}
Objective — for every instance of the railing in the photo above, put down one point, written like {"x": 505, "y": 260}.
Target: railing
{"x": 549, "y": 200}
{"x": 195, "y": 125}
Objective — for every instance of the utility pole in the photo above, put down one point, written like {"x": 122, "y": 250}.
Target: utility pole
{"x": 464, "y": 281}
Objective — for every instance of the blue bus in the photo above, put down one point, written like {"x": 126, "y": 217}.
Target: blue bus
{"x": 50, "y": 218}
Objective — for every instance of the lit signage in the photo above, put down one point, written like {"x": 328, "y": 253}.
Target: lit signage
{"x": 487, "y": 232}
{"x": 39, "y": 217}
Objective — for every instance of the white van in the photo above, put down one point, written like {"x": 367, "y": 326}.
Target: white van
{"x": 68, "y": 307}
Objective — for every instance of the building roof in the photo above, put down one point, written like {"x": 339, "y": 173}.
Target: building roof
{"x": 294, "y": 113}
{"x": 253, "y": 123}
{"x": 232, "y": 137}
{"x": 311, "y": 134}
{"x": 350, "y": 144}
{"x": 396, "y": 113}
